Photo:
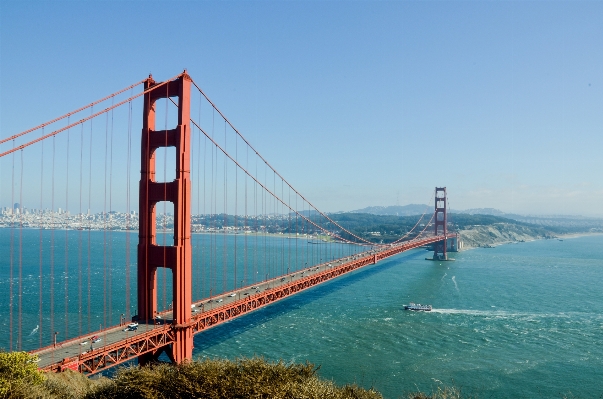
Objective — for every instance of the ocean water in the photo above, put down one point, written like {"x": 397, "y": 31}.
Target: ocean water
{"x": 518, "y": 320}
{"x": 88, "y": 278}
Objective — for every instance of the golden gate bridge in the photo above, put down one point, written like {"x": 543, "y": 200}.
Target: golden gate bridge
{"x": 220, "y": 232}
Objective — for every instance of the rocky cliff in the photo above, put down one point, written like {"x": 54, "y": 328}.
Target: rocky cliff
{"x": 501, "y": 233}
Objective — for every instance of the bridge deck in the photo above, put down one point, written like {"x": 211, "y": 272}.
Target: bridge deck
{"x": 118, "y": 346}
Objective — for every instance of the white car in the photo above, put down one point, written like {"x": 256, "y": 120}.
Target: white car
{"x": 219, "y": 300}
{"x": 232, "y": 295}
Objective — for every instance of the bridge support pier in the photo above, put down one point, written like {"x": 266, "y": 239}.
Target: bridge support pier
{"x": 177, "y": 257}
{"x": 440, "y": 223}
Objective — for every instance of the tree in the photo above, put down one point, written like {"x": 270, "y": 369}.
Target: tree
{"x": 18, "y": 369}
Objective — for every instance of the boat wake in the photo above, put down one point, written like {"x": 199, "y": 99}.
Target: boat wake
{"x": 35, "y": 330}
{"x": 499, "y": 313}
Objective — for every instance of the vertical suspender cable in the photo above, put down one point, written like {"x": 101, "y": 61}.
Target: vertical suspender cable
{"x": 105, "y": 220}
{"x": 89, "y": 301}
{"x": 20, "y": 329}
{"x": 205, "y": 216}
{"x": 110, "y": 233}
{"x": 281, "y": 216}
{"x": 81, "y": 225}
{"x": 289, "y": 232}
{"x": 245, "y": 259}
{"x": 225, "y": 223}
{"x": 255, "y": 205}
{"x": 213, "y": 261}
{"x": 12, "y": 253}
{"x": 236, "y": 169}
{"x": 264, "y": 211}
{"x": 128, "y": 209}
{"x": 274, "y": 243}
{"x": 52, "y": 226}
{"x": 192, "y": 238}
{"x": 66, "y": 221}
{"x": 40, "y": 269}
{"x": 199, "y": 214}
{"x": 296, "y": 232}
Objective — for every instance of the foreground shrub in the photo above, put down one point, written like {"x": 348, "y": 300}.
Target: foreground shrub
{"x": 217, "y": 379}
{"x": 18, "y": 372}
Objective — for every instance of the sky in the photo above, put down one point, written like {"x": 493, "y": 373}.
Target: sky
{"x": 356, "y": 104}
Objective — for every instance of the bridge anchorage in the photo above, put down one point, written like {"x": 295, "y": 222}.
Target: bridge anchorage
{"x": 261, "y": 205}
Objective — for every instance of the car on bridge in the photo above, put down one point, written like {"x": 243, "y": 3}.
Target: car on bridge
{"x": 96, "y": 339}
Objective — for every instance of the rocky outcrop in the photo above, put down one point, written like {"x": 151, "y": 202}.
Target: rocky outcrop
{"x": 500, "y": 233}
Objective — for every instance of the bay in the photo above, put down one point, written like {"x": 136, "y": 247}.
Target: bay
{"x": 518, "y": 320}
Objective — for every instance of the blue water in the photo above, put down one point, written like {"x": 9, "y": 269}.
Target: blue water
{"x": 88, "y": 281}
{"x": 518, "y": 320}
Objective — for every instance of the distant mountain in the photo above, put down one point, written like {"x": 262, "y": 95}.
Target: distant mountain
{"x": 396, "y": 210}
{"x": 568, "y": 223}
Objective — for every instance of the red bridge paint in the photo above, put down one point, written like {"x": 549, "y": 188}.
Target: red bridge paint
{"x": 176, "y": 338}
{"x": 162, "y": 337}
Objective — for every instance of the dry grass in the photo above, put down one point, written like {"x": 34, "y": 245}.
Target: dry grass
{"x": 212, "y": 379}
{"x": 217, "y": 379}
{"x": 253, "y": 378}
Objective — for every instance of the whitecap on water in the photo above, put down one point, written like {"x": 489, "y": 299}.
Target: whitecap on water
{"x": 35, "y": 330}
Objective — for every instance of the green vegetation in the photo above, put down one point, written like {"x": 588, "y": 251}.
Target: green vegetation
{"x": 18, "y": 370}
{"x": 387, "y": 228}
{"x": 215, "y": 379}
{"x": 243, "y": 378}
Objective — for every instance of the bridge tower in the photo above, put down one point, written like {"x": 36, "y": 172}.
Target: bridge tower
{"x": 439, "y": 248}
{"x": 176, "y": 257}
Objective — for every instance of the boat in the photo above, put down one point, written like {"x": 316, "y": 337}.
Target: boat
{"x": 417, "y": 307}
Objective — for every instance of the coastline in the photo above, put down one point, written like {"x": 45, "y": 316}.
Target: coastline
{"x": 502, "y": 233}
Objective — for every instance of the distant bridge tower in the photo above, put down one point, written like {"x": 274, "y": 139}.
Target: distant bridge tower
{"x": 176, "y": 257}
{"x": 439, "y": 248}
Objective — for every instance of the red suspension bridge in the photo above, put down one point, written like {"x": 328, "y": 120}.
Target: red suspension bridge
{"x": 220, "y": 232}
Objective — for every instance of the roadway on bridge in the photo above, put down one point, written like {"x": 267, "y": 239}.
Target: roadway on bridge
{"x": 81, "y": 345}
